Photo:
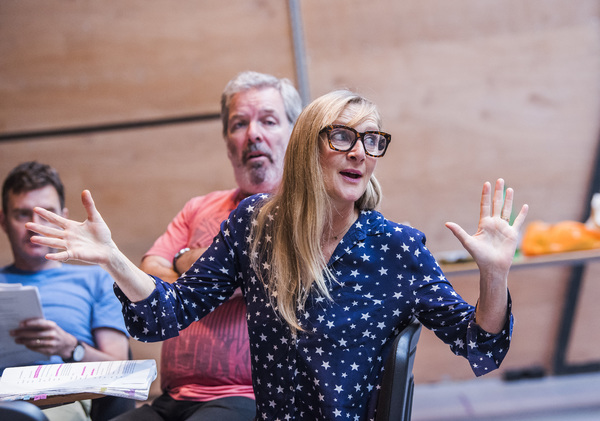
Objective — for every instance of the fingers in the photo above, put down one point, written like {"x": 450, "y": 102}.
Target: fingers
{"x": 52, "y": 238}
{"x": 51, "y": 217}
{"x": 506, "y": 211}
{"x": 502, "y": 202}
{"x": 37, "y": 324}
{"x": 61, "y": 256}
{"x": 52, "y": 242}
{"x": 498, "y": 198}
{"x": 31, "y": 329}
{"x": 36, "y": 334}
{"x": 43, "y": 230}
{"x": 90, "y": 207}
{"x": 61, "y": 222}
{"x": 34, "y": 342}
{"x": 458, "y": 232}
{"x": 48, "y": 236}
{"x": 485, "y": 209}
{"x": 520, "y": 219}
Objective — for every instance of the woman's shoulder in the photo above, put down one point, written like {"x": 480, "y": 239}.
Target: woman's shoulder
{"x": 254, "y": 200}
{"x": 249, "y": 205}
{"x": 247, "y": 209}
{"x": 380, "y": 224}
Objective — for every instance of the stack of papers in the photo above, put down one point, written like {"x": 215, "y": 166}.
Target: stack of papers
{"x": 128, "y": 379}
{"x": 17, "y": 303}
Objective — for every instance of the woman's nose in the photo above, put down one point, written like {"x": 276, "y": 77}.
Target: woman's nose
{"x": 358, "y": 150}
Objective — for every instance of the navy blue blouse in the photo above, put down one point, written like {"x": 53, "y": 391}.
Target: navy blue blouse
{"x": 331, "y": 370}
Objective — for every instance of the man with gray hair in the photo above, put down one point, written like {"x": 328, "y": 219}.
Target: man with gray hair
{"x": 205, "y": 372}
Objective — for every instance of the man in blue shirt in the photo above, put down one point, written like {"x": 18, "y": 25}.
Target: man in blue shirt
{"x": 83, "y": 320}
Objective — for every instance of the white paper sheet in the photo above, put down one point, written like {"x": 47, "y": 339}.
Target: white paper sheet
{"x": 17, "y": 302}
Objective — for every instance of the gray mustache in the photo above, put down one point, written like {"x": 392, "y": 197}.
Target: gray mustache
{"x": 253, "y": 149}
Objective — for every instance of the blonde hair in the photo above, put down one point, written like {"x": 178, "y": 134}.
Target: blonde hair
{"x": 289, "y": 227}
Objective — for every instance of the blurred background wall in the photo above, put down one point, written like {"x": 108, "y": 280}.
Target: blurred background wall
{"x": 122, "y": 97}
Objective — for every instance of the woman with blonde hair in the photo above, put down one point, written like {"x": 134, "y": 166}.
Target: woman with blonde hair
{"x": 309, "y": 225}
{"x": 328, "y": 281}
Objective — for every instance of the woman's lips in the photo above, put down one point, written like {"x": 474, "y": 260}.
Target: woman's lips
{"x": 351, "y": 174}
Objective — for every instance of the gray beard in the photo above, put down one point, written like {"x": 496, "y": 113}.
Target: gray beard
{"x": 258, "y": 173}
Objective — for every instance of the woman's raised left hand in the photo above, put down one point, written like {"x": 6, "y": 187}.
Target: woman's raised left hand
{"x": 494, "y": 244}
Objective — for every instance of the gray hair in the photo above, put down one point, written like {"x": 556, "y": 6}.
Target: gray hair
{"x": 253, "y": 80}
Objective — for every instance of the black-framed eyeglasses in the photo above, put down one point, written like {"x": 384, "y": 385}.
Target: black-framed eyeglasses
{"x": 343, "y": 138}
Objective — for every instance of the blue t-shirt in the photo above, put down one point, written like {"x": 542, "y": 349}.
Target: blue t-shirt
{"x": 77, "y": 298}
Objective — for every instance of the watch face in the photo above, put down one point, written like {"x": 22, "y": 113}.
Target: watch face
{"x": 78, "y": 353}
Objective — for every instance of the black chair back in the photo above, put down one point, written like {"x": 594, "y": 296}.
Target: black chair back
{"x": 397, "y": 386}
{"x": 20, "y": 411}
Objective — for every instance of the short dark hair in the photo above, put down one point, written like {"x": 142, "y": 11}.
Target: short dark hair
{"x": 30, "y": 176}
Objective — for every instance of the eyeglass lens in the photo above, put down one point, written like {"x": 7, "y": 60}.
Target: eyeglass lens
{"x": 344, "y": 139}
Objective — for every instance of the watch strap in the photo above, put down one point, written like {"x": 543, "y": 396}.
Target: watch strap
{"x": 178, "y": 255}
{"x": 72, "y": 359}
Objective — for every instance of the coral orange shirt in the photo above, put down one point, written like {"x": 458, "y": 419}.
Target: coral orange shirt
{"x": 211, "y": 358}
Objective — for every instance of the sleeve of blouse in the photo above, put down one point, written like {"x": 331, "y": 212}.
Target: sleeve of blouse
{"x": 440, "y": 308}
{"x": 206, "y": 285}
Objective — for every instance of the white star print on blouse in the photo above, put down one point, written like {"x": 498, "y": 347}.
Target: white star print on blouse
{"x": 331, "y": 370}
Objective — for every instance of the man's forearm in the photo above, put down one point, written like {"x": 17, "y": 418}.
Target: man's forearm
{"x": 159, "y": 267}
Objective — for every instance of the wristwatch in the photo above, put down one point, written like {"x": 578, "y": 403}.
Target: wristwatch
{"x": 178, "y": 255}
{"x": 78, "y": 353}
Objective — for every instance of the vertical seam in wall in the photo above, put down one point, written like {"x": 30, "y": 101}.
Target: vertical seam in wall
{"x": 299, "y": 50}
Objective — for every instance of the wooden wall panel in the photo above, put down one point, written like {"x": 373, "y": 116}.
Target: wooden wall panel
{"x": 537, "y": 297}
{"x": 139, "y": 178}
{"x": 74, "y": 63}
{"x": 585, "y": 335}
{"x": 470, "y": 91}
